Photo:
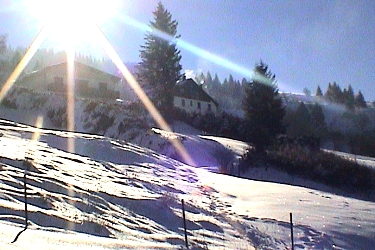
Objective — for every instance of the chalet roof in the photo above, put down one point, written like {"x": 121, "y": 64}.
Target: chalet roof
{"x": 188, "y": 88}
{"x": 78, "y": 65}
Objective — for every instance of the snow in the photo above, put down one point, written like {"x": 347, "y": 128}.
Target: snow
{"x": 110, "y": 194}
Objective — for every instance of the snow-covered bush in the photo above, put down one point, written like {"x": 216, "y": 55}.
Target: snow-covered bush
{"x": 9, "y": 103}
{"x": 322, "y": 166}
{"x": 58, "y": 117}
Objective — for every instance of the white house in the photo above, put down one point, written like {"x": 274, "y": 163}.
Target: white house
{"x": 190, "y": 96}
{"x": 89, "y": 82}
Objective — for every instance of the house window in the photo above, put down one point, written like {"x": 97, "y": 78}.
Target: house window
{"x": 209, "y": 107}
{"x": 183, "y": 102}
{"x": 199, "y": 105}
{"x": 191, "y": 103}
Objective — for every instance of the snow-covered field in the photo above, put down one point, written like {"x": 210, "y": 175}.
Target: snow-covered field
{"x": 110, "y": 194}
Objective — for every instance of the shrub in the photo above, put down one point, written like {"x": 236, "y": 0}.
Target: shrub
{"x": 58, "y": 117}
{"x": 90, "y": 107}
{"x": 103, "y": 123}
{"x": 10, "y": 104}
{"x": 37, "y": 101}
{"x": 316, "y": 165}
{"x": 324, "y": 167}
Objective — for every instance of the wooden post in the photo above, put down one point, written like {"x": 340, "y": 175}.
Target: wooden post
{"x": 291, "y": 230}
{"x": 183, "y": 215}
{"x": 26, "y": 164}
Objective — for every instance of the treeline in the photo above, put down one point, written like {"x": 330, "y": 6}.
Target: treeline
{"x": 9, "y": 58}
{"x": 344, "y": 129}
{"x": 346, "y": 97}
{"x": 229, "y": 93}
{"x": 306, "y": 120}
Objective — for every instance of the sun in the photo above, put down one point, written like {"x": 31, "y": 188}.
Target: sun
{"x": 71, "y": 12}
{"x": 72, "y": 21}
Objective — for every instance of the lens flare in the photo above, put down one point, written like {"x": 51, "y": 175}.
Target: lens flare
{"x": 43, "y": 33}
{"x": 38, "y": 125}
{"x": 70, "y": 97}
{"x": 201, "y": 53}
{"x": 223, "y": 62}
{"x": 142, "y": 95}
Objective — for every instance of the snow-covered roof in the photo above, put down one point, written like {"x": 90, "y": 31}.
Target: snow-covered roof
{"x": 77, "y": 65}
{"x": 188, "y": 88}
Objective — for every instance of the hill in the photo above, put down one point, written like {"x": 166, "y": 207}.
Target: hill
{"x": 111, "y": 194}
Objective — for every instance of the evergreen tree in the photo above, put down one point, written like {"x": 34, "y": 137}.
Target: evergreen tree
{"x": 216, "y": 82}
{"x": 318, "y": 121}
{"x": 307, "y": 92}
{"x": 349, "y": 97}
{"x": 207, "y": 82}
{"x": 263, "y": 108}
{"x": 231, "y": 82}
{"x": 4, "y": 62}
{"x": 360, "y": 100}
{"x": 329, "y": 94}
{"x": 334, "y": 93}
{"x": 215, "y": 90}
{"x": 244, "y": 82}
{"x": 200, "y": 78}
{"x": 300, "y": 122}
{"x": 225, "y": 83}
{"x": 3, "y": 43}
{"x": 230, "y": 88}
{"x": 319, "y": 92}
{"x": 160, "y": 66}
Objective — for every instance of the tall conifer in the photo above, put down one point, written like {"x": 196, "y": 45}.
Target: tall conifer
{"x": 160, "y": 66}
{"x": 263, "y": 108}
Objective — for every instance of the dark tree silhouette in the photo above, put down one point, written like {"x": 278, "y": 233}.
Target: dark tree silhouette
{"x": 263, "y": 108}
{"x": 160, "y": 66}
{"x": 360, "y": 100}
{"x": 319, "y": 92}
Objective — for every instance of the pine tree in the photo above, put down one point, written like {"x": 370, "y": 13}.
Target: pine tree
{"x": 263, "y": 108}
{"x": 3, "y": 43}
{"x": 318, "y": 121}
{"x": 319, "y": 92}
{"x": 215, "y": 90}
{"x": 243, "y": 82}
{"x": 328, "y": 94}
{"x": 4, "y": 63}
{"x": 349, "y": 97}
{"x": 307, "y": 92}
{"x": 360, "y": 100}
{"x": 216, "y": 82}
{"x": 334, "y": 93}
{"x": 200, "y": 78}
{"x": 300, "y": 122}
{"x": 160, "y": 66}
{"x": 207, "y": 83}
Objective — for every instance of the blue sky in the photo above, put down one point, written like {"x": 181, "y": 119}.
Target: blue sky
{"x": 305, "y": 43}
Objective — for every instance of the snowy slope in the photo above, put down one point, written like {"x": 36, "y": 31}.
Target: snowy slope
{"x": 115, "y": 195}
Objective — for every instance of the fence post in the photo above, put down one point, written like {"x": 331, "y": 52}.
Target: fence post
{"x": 291, "y": 230}
{"x": 26, "y": 164}
{"x": 183, "y": 215}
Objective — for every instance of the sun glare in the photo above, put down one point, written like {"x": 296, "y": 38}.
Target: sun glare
{"x": 72, "y": 21}
{"x": 73, "y": 12}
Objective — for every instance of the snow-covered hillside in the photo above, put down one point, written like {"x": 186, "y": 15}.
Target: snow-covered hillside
{"x": 110, "y": 194}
